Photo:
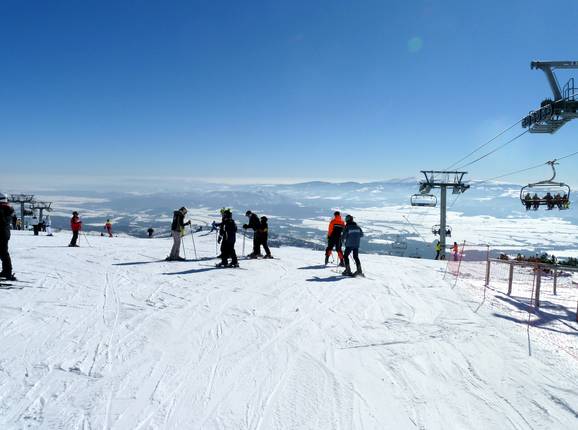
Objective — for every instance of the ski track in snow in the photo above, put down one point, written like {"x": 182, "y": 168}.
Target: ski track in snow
{"x": 111, "y": 337}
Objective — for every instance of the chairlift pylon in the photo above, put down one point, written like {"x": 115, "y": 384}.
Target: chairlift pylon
{"x": 424, "y": 200}
{"x": 546, "y": 193}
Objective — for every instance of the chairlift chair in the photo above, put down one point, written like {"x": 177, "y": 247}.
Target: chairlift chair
{"x": 436, "y": 230}
{"x": 548, "y": 193}
{"x": 424, "y": 200}
{"x": 399, "y": 243}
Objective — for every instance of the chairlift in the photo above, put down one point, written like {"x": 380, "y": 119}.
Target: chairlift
{"x": 424, "y": 200}
{"x": 436, "y": 230}
{"x": 546, "y": 193}
{"x": 399, "y": 243}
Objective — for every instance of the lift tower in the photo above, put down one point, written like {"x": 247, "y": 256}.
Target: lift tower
{"x": 41, "y": 207}
{"x": 22, "y": 199}
{"x": 443, "y": 180}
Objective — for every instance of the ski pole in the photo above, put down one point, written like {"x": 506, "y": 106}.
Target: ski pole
{"x": 216, "y": 242}
{"x": 194, "y": 246}
{"x": 183, "y": 246}
{"x": 84, "y": 234}
{"x": 243, "y": 242}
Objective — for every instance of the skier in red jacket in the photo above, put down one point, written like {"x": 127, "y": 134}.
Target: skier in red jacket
{"x": 75, "y": 226}
{"x": 336, "y": 227}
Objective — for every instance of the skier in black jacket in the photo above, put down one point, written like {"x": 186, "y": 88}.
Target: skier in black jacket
{"x": 6, "y": 213}
{"x": 254, "y": 224}
{"x": 227, "y": 238}
{"x": 263, "y": 237}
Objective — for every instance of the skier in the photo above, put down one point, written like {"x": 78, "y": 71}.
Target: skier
{"x": 6, "y": 212}
{"x": 108, "y": 227}
{"x": 35, "y": 225}
{"x": 336, "y": 227}
{"x": 455, "y": 251}
{"x": 150, "y": 231}
{"x": 75, "y": 226}
{"x": 528, "y": 201}
{"x": 227, "y": 238}
{"x": 352, "y": 235}
{"x": 438, "y": 249}
{"x": 48, "y": 223}
{"x": 254, "y": 224}
{"x": 263, "y": 235}
{"x": 177, "y": 229}
{"x": 14, "y": 222}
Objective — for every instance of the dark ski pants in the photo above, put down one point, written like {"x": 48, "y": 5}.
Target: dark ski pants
{"x": 228, "y": 251}
{"x": 256, "y": 244}
{"x": 5, "y": 257}
{"x": 262, "y": 240}
{"x": 74, "y": 238}
{"x": 355, "y": 252}
{"x": 334, "y": 242}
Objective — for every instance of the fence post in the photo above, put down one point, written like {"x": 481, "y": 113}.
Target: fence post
{"x": 488, "y": 267}
{"x": 555, "y": 279}
{"x": 510, "y": 278}
{"x": 538, "y": 283}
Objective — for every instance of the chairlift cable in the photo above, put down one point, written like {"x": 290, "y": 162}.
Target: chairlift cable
{"x": 414, "y": 229}
{"x": 528, "y": 168}
{"x": 494, "y": 150}
{"x": 485, "y": 144}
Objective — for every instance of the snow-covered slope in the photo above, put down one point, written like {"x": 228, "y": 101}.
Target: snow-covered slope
{"x": 111, "y": 336}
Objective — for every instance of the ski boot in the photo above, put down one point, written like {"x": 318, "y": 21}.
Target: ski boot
{"x": 233, "y": 265}
{"x": 268, "y": 256}
{"x": 358, "y": 272}
{"x": 8, "y": 277}
{"x": 347, "y": 272}
{"x": 222, "y": 264}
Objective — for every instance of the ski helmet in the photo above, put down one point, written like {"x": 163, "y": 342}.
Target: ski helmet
{"x": 3, "y": 198}
{"x": 248, "y": 213}
{"x": 348, "y": 218}
{"x": 336, "y": 213}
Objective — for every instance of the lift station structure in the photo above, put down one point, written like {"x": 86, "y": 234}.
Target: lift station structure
{"x": 554, "y": 113}
{"x": 41, "y": 207}
{"x": 23, "y": 199}
{"x": 443, "y": 179}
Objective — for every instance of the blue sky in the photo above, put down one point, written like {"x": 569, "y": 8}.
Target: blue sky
{"x": 266, "y": 90}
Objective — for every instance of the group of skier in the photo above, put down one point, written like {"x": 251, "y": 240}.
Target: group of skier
{"x": 346, "y": 233}
{"x": 551, "y": 201}
{"x": 341, "y": 233}
{"x": 226, "y": 237}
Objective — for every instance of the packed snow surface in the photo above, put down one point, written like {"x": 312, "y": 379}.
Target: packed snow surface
{"x": 111, "y": 336}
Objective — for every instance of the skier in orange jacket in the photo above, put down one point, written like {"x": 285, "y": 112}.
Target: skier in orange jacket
{"x": 336, "y": 227}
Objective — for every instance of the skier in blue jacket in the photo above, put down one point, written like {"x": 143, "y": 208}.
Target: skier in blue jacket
{"x": 351, "y": 238}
